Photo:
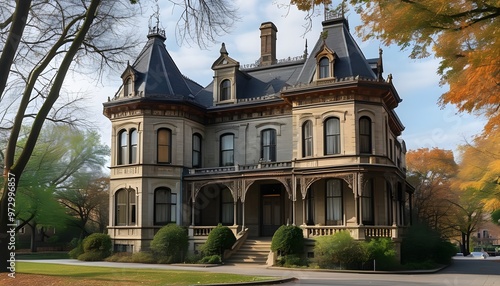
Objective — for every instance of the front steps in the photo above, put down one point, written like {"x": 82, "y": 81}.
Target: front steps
{"x": 254, "y": 250}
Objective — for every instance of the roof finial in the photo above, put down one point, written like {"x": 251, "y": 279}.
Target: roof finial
{"x": 155, "y": 29}
{"x": 223, "y": 50}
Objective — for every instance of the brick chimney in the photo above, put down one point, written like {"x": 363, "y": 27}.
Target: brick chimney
{"x": 267, "y": 43}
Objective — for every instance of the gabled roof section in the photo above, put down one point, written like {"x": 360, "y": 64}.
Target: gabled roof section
{"x": 157, "y": 73}
{"x": 350, "y": 61}
{"x": 224, "y": 60}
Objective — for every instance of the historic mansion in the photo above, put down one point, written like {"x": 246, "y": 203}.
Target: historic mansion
{"x": 312, "y": 141}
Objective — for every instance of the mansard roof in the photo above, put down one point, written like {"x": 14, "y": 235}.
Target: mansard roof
{"x": 350, "y": 61}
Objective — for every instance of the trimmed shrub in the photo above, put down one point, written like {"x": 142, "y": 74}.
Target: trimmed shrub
{"x": 77, "y": 250}
{"x": 383, "y": 252}
{"x": 219, "y": 239}
{"x": 423, "y": 245}
{"x": 288, "y": 239}
{"x": 170, "y": 244}
{"x": 339, "y": 251}
{"x": 96, "y": 247}
{"x": 213, "y": 259}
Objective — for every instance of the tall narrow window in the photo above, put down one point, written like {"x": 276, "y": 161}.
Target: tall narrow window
{"x": 324, "y": 67}
{"x": 332, "y": 136}
{"x": 133, "y": 146}
{"x": 196, "y": 150}
{"x": 367, "y": 203}
{"x": 132, "y": 210}
{"x": 310, "y": 207}
{"x": 128, "y": 87}
{"x": 122, "y": 147}
{"x": 165, "y": 206}
{"x": 121, "y": 207}
{"x": 307, "y": 139}
{"x": 227, "y": 150}
{"x": 334, "y": 206}
{"x": 225, "y": 90}
{"x": 365, "y": 135}
{"x": 164, "y": 149}
{"x": 268, "y": 145}
{"x": 227, "y": 208}
{"x": 125, "y": 207}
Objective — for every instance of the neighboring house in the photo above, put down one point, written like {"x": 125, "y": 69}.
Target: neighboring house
{"x": 312, "y": 141}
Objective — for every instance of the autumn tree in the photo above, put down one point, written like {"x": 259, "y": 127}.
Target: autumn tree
{"x": 42, "y": 41}
{"x": 465, "y": 216}
{"x": 463, "y": 34}
{"x": 480, "y": 168}
{"x": 430, "y": 171}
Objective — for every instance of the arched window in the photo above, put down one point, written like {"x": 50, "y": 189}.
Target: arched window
{"x": 268, "y": 145}
{"x": 133, "y": 146}
{"x": 334, "y": 203}
{"x": 227, "y": 150}
{"x": 164, "y": 141}
{"x": 122, "y": 147}
{"x": 125, "y": 207}
{"x": 332, "y": 136}
{"x": 196, "y": 150}
{"x": 165, "y": 206}
{"x": 307, "y": 139}
{"x": 324, "y": 67}
{"x": 227, "y": 208}
{"x": 225, "y": 90}
{"x": 365, "y": 135}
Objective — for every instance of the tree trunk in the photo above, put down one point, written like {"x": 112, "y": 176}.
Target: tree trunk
{"x": 33, "y": 237}
{"x": 20, "y": 163}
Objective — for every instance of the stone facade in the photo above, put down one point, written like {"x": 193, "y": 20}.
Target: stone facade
{"x": 312, "y": 141}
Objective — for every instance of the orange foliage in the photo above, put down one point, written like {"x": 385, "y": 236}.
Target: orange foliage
{"x": 480, "y": 168}
{"x": 463, "y": 34}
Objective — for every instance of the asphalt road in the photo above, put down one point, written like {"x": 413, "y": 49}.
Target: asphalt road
{"x": 463, "y": 272}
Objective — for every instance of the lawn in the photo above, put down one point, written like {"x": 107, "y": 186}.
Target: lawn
{"x": 32, "y": 273}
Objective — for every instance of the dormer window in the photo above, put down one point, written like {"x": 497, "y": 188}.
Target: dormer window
{"x": 225, "y": 90}
{"x": 128, "y": 87}
{"x": 325, "y": 60}
{"x": 324, "y": 67}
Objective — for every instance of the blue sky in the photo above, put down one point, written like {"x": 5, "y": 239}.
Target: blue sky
{"x": 427, "y": 125}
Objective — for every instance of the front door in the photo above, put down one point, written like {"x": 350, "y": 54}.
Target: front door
{"x": 272, "y": 211}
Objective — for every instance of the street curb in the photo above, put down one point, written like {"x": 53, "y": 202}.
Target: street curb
{"x": 427, "y": 271}
{"x": 266, "y": 282}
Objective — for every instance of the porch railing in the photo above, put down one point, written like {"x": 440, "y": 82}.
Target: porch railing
{"x": 197, "y": 230}
{"x": 357, "y": 232}
{"x": 237, "y": 168}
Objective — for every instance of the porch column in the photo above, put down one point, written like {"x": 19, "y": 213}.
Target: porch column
{"x": 303, "y": 211}
{"x": 193, "y": 200}
{"x": 294, "y": 199}
{"x": 235, "y": 222}
{"x": 394, "y": 211}
{"x": 243, "y": 215}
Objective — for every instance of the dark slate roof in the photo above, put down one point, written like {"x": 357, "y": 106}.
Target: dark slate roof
{"x": 157, "y": 74}
{"x": 350, "y": 61}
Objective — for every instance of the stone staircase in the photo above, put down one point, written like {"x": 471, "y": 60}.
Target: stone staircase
{"x": 254, "y": 250}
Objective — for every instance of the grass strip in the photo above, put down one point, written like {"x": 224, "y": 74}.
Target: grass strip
{"x": 131, "y": 276}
